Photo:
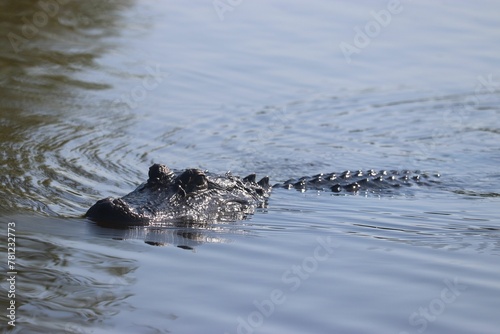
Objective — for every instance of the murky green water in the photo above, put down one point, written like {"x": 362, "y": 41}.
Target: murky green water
{"x": 93, "y": 93}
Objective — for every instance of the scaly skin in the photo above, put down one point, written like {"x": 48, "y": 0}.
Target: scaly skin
{"x": 191, "y": 196}
{"x": 194, "y": 196}
{"x": 373, "y": 181}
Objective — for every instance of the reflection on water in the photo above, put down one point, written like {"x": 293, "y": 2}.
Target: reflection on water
{"x": 48, "y": 63}
{"x": 75, "y": 287}
{"x": 63, "y": 282}
{"x": 74, "y": 276}
{"x": 188, "y": 237}
{"x": 50, "y": 44}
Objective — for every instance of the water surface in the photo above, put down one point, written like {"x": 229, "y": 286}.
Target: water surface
{"x": 97, "y": 92}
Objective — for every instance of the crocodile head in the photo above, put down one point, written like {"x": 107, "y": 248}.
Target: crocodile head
{"x": 192, "y": 195}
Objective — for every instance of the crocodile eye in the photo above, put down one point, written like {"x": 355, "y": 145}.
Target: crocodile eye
{"x": 199, "y": 182}
{"x": 160, "y": 174}
{"x": 193, "y": 180}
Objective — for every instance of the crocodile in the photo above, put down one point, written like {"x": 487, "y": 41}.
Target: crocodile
{"x": 196, "y": 196}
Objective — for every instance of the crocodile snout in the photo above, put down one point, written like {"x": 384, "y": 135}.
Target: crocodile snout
{"x": 114, "y": 212}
